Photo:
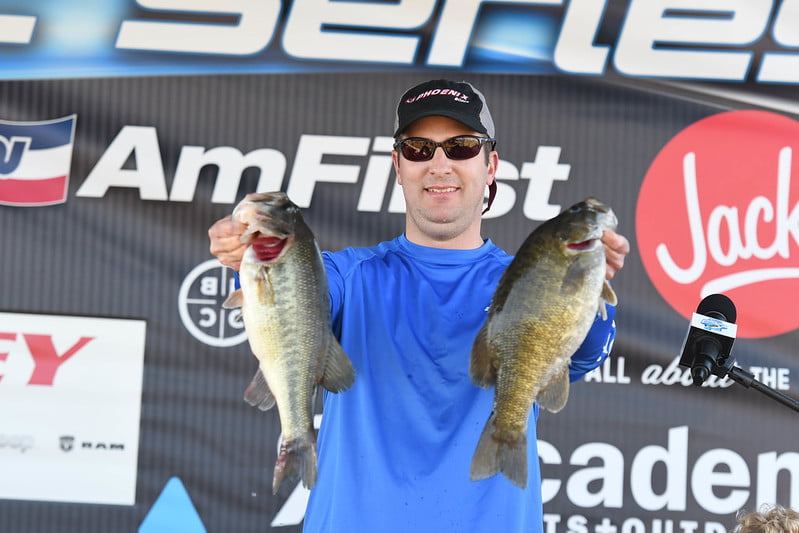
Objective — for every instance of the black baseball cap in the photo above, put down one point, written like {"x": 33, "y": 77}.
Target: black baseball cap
{"x": 458, "y": 100}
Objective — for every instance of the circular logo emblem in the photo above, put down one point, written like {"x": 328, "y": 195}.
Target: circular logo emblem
{"x": 200, "y": 300}
{"x": 717, "y": 213}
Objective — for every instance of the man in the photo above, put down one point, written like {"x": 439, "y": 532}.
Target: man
{"x": 395, "y": 450}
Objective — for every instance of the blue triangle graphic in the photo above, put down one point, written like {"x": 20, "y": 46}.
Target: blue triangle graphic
{"x": 172, "y": 511}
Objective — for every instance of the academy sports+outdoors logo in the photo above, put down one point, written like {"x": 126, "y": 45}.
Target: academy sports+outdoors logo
{"x": 35, "y": 160}
{"x": 717, "y": 213}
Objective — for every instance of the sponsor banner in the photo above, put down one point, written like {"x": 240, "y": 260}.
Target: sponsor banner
{"x": 726, "y": 184}
{"x": 716, "y": 40}
{"x": 75, "y": 386}
{"x": 157, "y": 160}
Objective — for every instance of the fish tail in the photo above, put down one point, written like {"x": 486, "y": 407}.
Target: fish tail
{"x": 297, "y": 458}
{"x": 500, "y": 451}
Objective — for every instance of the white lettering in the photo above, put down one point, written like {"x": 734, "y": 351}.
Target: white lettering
{"x": 713, "y": 470}
{"x": 208, "y": 315}
{"x": 675, "y": 459}
{"x": 305, "y": 35}
{"x": 575, "y": 50}
{"x": 657, "y": 375}
{"x": 606, "y": 373}
{"x": 577, "y": 524}
{"x": 633, "y": 525}
{"x": 551, "y": 521}
{"x": 697, "y": 268}
{"x": 549, "y": 455}
{"x": 693, "y": 39}
{"x": 786, "y": 223}
{"x": 542, "y": 173}
{"x": 581, "y": 524}
{"x": 141, "y": 143}
{"x": 16, "y": 29}
{"x": 651, "y": 26}
{"x": 781, "y": 67}
{"x": 776, "y": 378}
{"x": 769, "y": 466}
{"x": 605, "y": 526}
{"x": 705, "y": 478}
{"x": 610, "y": 473}
{"x": 255, "y": 29}
{"x": 309, "y": 170}
{"x": 231, "y": 164}
{"x": 375, "y": 180}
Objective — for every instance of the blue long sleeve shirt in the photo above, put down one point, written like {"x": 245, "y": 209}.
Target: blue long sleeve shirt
{"x": 395, "y": 450}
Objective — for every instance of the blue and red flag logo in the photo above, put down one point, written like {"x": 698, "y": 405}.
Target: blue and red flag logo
{"x": 35, "y": 160}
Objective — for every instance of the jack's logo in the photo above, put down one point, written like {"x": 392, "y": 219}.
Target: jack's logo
{"x": 35, "y": 160}
{"x": 717, "y": 213}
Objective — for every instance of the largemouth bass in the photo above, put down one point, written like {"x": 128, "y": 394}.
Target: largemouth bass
{"x": 541, "y": 311}
{"x": 285, "y": 306}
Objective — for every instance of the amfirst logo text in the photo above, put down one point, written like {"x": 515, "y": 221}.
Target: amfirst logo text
{"x": 371, "y": 165}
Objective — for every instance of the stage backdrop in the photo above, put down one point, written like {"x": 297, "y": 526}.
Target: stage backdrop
{"x": 127, "y": 128}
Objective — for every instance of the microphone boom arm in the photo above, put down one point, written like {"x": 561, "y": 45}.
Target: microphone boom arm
{"x": 742, "y": 377}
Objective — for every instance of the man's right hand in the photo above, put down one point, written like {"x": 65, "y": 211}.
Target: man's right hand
{"x": 226, "y": 244}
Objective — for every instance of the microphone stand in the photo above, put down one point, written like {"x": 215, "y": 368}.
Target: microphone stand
{"x": 723, "y": 365}
{"x": 747, "y": 379}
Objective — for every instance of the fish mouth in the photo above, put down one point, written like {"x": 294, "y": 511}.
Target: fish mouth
{"x": 267, "y": 249}
{"x": 583, "y": 246}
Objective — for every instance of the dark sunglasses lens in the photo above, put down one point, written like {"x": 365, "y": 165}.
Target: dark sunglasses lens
{"x": 417, "y": 149}
{"x": 462, "y": 147}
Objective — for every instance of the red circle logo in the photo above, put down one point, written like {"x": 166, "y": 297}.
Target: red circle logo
{"x": 717, "y": 213}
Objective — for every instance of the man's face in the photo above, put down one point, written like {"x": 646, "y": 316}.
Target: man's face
{"x": 443, "y": 196}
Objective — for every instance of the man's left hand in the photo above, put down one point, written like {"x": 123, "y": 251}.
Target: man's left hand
{"x": 616, "y": 247}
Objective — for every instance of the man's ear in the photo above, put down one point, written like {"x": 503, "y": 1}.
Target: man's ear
{"x": 493, "y": 165}
{"x": 395, "y": 161}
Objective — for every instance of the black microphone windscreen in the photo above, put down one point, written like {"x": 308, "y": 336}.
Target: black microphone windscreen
{"x": 720, "y": 304}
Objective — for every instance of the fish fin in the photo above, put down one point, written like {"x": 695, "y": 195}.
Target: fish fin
{"x": 296, "y": 458}
{"x": 608, "y": 296}
{"x": 500, "y": 451}
{"x": 339, "y": 374}
{"x": 258, "y": 393}
{"x": 236, "y": 299}
{"x": 483, "y": 366}
{"x": 555, "y": 394}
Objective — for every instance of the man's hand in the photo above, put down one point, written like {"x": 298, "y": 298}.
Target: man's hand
{"x": 616, "y": 247}
{"x": 226, "y": 244}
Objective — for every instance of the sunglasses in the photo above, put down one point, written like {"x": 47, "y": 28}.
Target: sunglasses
{"x": 461, "y": 147}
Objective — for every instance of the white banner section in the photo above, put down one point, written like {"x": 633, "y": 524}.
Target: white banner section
{"x": 70, "y": 391}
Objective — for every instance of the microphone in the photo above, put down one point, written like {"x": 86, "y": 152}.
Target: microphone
{"x": 707, "y": 344}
